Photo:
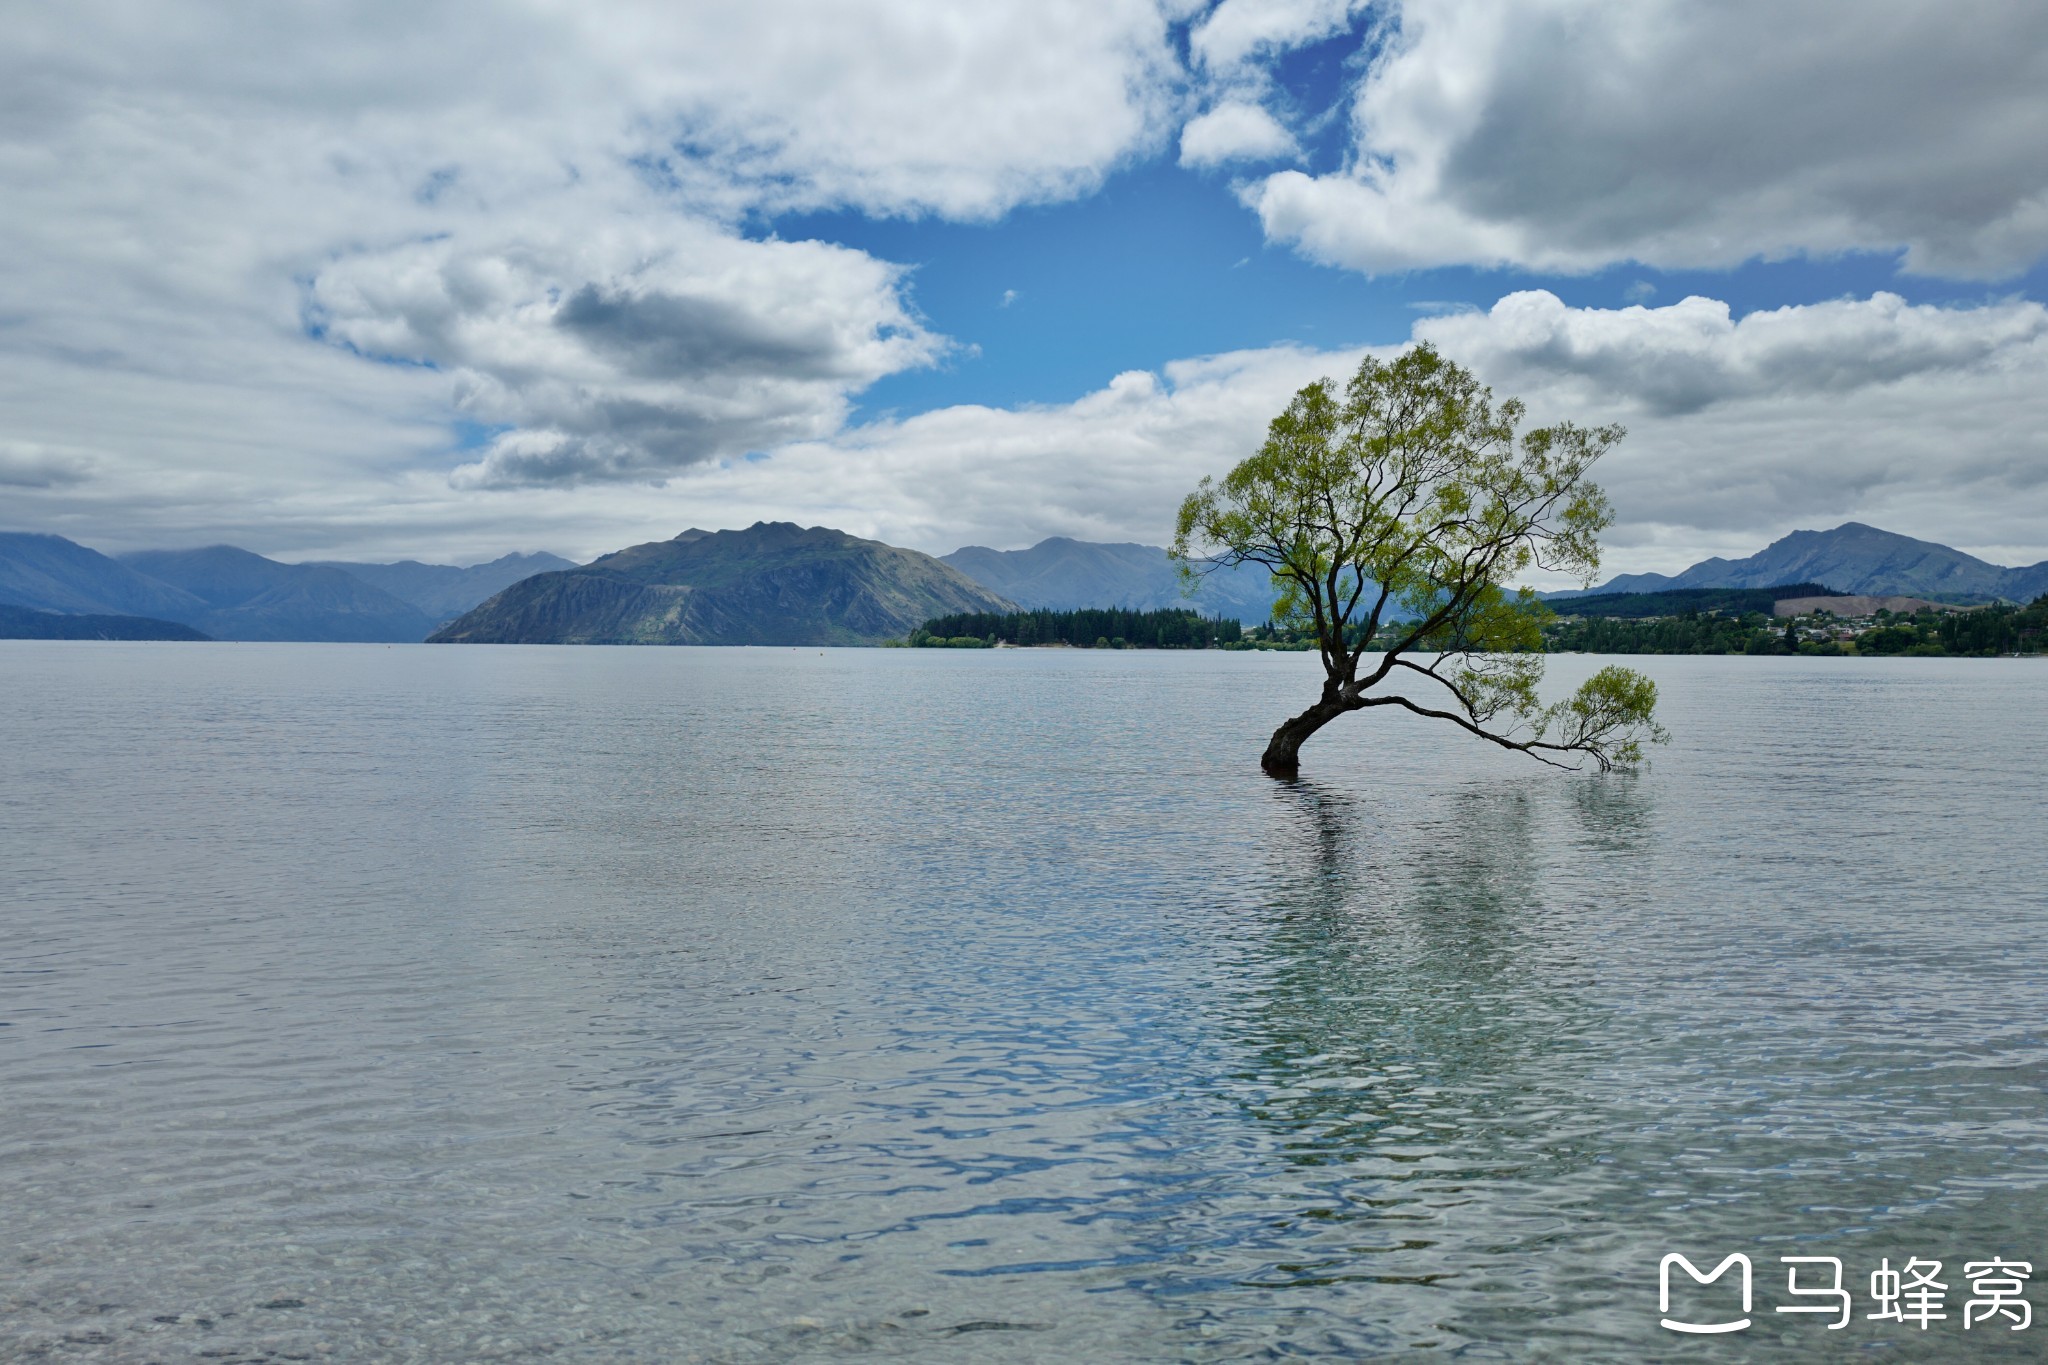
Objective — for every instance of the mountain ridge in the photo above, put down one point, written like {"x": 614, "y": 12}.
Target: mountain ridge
{"x": 49, "y": 573}
{"x": 445, "y": 591}
{"x": 1852, "y": 558}
{"x": 228, "y": 592}
{"x": 774, "y": 583}
{"x": 249, "y": 597}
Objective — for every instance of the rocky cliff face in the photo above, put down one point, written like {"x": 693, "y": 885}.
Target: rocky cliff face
{"x": 772, "y": 584}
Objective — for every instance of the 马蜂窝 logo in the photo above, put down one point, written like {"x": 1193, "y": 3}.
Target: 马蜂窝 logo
{"x": 1664, "y": 1292}
{"x": 1912, "y": 1296}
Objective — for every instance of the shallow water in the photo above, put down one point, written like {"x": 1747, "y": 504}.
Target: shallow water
{"x": 434, "y": 1004}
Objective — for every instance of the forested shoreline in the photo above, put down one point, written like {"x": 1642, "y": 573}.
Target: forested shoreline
{"x": 1980, "y": 633}
{"x": 2002, "y": 629}
{"x": 1103, "y": 628}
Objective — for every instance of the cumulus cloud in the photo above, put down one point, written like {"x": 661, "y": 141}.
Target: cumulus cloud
{"x": 1571, "y": 135}
{"x": 1693, "y": 354}
{"x": 1234, "y": 131}
{"x": 888, "y": 105}
{"x": 257, "y": 263}
{"x": 629, "y": 354}
{"x": 263, "y": 256}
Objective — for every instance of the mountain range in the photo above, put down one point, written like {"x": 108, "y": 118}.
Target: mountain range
{"x": 1063, "y": 575}
{"x": 444, "y": 591}
{"x": 50, "y": 573}
{"x": 1852, "y": 558}
{"x": 231, "y": 594}
{"x": 774, "y": 583}
{"x": 248, "y": 597}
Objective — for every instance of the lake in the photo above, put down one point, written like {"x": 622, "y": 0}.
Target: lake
{"x": 433, "y": 1004}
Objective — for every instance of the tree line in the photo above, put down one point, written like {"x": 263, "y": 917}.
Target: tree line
{"x": 1088, "y": 628}
{"x": 1693, "y": 633}
{"x": 1990, "y": 630}
{"x": 1986, "y": 631}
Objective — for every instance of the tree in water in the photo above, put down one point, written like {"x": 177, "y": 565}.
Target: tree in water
{"x": 1409, "y": 501}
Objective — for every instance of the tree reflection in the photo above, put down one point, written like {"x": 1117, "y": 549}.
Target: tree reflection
{"x": 1417, "y": 1032}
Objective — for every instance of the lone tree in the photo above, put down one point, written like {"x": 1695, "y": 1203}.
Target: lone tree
{"x": 1408, "y": 502}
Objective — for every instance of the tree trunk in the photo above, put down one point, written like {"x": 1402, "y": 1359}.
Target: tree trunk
{"x": 1282, "y": 758}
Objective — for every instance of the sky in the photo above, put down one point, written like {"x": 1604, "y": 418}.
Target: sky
{"x": 448, "y": 278}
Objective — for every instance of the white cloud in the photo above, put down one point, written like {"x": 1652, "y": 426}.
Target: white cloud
{"x": 888, "y": 105}
{"x": 543, "y": 203}
{"x": 1572, "y": 134}
{"x": 255, "y": 263}
{"x": 1112, "y": 465}
{"x": 1693, "y": 354}
{"x": 1234, "y": 131}
{"x": 629, "y": 353}
{"x": 1237, "y": 31}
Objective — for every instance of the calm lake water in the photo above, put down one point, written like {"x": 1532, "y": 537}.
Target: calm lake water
{"x": 446, "y": 1004}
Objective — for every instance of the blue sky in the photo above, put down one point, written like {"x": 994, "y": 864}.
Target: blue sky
{"x": 444, "y": 279}
{"x": 1165, "y": 262}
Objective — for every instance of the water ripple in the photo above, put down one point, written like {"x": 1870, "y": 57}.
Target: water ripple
{"x": 614, "y": 1005}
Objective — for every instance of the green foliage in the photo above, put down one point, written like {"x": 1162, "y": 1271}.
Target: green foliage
{"x": 1888, "y": 640}
{"x": 1750, "y": 633}
{"x": 1613, "y": 702}
{"x": 1393, "y": 516}
{"x": 1111, "y": 628}
{"x": 1995, "y": 630}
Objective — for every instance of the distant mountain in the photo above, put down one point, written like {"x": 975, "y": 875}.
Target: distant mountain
{"x": 26, "y": 623}
{"x": 772, "y": 584}
{"x": 1065, "y": 574}
{"x": 50, "y": 573}
{"x": 444, "y": 591}
{"x": 248, "y": 597}
{"x": 1852, "y": 558}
